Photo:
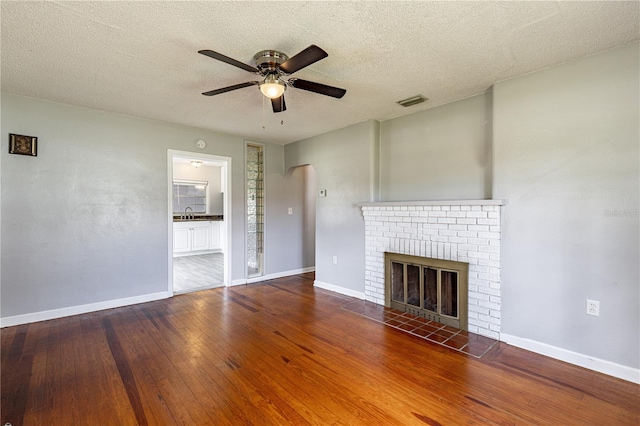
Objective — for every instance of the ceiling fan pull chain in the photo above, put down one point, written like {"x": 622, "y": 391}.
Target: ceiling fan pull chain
{"x": 264, "y": 127}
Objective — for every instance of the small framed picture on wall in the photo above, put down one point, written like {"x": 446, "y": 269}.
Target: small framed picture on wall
{"x": 23, "y": 145}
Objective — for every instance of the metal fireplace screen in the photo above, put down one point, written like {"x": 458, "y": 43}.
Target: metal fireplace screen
{"x": 434, "y": 289}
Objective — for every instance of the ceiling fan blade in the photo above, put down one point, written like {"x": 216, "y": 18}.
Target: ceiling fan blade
{"x": 322, "y": 89}
{"x": 228, "y": 60}
{"x": 230, "y": 88}
{"x": 303, "y": 59}
{"x": 278, "y": 104}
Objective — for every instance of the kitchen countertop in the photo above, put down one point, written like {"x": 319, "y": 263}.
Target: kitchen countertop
{"x": 198, "y": 217}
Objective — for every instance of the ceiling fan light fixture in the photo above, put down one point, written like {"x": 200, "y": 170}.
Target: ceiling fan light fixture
{"x": 272, "y": 87}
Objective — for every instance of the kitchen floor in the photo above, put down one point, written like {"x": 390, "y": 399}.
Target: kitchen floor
{"x": 192, "y": 273}
{"x": 453, "y": 338}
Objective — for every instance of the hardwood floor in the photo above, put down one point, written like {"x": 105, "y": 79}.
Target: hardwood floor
{"x": 278, "y": 353}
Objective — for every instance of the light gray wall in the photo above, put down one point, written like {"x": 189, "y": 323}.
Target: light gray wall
{"x": 284, "y": 250}
{"x": 566, "y": 159}
{"x": 342, "y": 161}
{"x": 439, "y": 153}
{"x": 287, "y": 248}
{"x": 86, "y": 220}
{"x": 210, "y": 174}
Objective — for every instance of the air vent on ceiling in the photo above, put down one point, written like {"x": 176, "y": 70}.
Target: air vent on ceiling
{"x": 418, "y": 99}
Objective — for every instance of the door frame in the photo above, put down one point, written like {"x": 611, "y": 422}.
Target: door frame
{"x": 226, "y": 209}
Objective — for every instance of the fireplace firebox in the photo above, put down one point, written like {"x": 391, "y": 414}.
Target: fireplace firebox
{"x": 434, "y": 289}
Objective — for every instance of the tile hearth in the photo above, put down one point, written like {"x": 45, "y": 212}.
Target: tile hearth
{"x": 452, "y": 338}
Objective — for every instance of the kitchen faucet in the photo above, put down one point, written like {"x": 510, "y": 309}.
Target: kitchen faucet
{"x": 186, "y": 215}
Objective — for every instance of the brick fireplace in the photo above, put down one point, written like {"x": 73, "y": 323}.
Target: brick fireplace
{"x": 460, "y": 230}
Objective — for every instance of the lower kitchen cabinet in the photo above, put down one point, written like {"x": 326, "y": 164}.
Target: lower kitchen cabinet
{"x": 195, "y": 236}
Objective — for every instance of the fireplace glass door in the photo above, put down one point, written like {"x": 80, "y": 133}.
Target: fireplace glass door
{"x": 433, "y": 288}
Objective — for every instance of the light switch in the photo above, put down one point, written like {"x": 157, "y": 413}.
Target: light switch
{"x": 290, "y": 210}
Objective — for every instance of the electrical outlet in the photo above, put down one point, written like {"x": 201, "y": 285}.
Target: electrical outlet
{"x": 335, "y": 260}
{"x": 593, "y": 307}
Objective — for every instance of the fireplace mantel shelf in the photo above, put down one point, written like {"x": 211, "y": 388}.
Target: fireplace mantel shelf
{"x": 436, "y": 203}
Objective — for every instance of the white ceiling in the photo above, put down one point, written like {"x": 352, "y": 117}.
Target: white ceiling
{"x": 140, "y": 58}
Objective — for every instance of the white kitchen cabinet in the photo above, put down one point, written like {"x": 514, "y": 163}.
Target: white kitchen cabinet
{"x": 194, "y": 237}
{"x": 191, "y": 236}
{"x": 200, "y": 236}
{"x": 215, "y": 235}
{"x": 181, "y": 238}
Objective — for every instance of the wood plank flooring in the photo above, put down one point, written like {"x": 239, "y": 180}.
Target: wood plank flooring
{"x": 282, "y": 353}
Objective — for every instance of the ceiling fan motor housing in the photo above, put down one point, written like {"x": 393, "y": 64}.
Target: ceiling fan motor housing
{"x": 267, "y": 61}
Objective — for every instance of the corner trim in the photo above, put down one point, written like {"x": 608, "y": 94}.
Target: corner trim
{"x": 600, "y": 365}
{"x": 338, "y": 289}
{"x": 80, "y": 309}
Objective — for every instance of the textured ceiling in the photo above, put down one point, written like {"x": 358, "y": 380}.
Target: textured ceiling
{"x": 140, "y": 58}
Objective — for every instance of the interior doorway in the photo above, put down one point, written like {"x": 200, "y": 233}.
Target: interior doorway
{"x": 199, "y": 221}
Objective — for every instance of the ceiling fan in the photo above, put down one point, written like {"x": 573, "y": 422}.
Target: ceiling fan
{"x": 275, "y": 67}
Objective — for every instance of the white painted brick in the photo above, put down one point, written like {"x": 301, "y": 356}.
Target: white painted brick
{"x": 480, "y": 228}
{"x": 489, "y": 235}
{"x": 401, "y": 213}
{"x": 456, "y": 213}
{"x": 468, "y": 234}
{"x": 491, "y": 263}
{"x": 477, "y": 214}
{"x": 479, "y": 241}
{"x": 479, "y": 309}
{"x": 466, "y": 221}
{"x": 489, "y": 319}
{"x": 489, "y": 305}
{"x": 449, "y": 220}
{"x": 490, "y": 208}
{"x": 489, "y": 291}
{"x": 490, "y": 249}
{"x": 440, "y": 240}
{"x": 494, "y": 222}
{"x": 479, "y": 255}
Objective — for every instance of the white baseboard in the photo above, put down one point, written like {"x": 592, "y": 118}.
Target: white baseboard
{"x": 81, "y": 309}
{"x": 244, "y": 281}
{"x": 338, "y": 289}
{"x": 600, "y": 365}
